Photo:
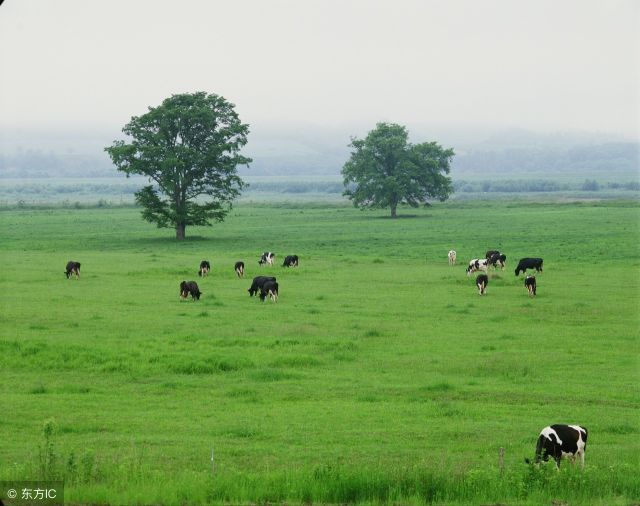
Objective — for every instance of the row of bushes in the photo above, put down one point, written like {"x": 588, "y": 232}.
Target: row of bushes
{"x": 539, "y": 185}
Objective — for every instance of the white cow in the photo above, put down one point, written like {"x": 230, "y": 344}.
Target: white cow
{"x": 267, "y": 258}
{"x": 477, "y": 264}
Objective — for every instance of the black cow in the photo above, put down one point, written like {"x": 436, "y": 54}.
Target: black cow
{"x": 205, "y": 267}
{"x": 490, "y": 253}
{"x": 481, "y": 282}
{"x": 530, "y": 285}
{"x": 266, "y": 258}
{"x": 290, "y": 261}
{"x": 497, "y": 259}
{"x": 258, "y": 283}
{"x": 190, "y": 288}
{"x": 269, "y": 289}
{"x": 73, "y": 268}
{"x": 561, "y": 441}
{"x": 529, "y": 263}
{"x": 239, "y": 268}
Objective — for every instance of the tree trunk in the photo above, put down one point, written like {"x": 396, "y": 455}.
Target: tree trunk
{"x": 393, "y": 210}
{"x": 180, "y": 231}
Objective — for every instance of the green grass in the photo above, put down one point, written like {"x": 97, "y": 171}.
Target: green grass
{"x": 380, "y": 376}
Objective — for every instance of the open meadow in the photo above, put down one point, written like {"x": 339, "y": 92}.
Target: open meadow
{"x": 379, "y": 376}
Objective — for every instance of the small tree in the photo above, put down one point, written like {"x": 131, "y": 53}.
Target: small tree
{"x": 386, "y": 170}
{"x": 189, "y": 146}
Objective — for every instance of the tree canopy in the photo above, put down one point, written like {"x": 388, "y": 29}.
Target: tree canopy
{"x": 385, "y": 170}
{"x": 189, "y": 148}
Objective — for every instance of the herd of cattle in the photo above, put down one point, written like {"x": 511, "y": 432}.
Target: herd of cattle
{"x": 495, "y": 259}
{"x": 556, "y": 441}
{"x": 266, "y": 285}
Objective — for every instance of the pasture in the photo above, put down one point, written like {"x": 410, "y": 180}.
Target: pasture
{"x": 380, "y": 375}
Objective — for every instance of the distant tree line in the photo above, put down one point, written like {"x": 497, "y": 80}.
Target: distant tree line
{"x": 538, "y": 185}
{"x": 122, "y": 193}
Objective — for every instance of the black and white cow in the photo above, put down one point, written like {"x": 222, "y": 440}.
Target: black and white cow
{"x": 239, "y": 268}
{"x": 477, "y": 264}
{"x": 205, "y": 267}
{"x": 490, "y": 253}
{"x": 497, "y": 259}
{"x": 258, "y": 283}
{"x": 267, "y": 258}
{"x": 190, "y": 288}
{"x": 269, "y": 289}
{"x": 529, "y": 263}
{"x": 73, "y": 269}
{"x": 481, "y": 282}
{"x": 452, "y": 257}
{"x": 530, "y": 285}
{"x": 561, "y": 441}
{"x": 290, "y": 261}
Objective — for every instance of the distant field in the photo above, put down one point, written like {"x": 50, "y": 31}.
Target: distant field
{"x": 379, "y": 376}
{"x": 119, "y": 191}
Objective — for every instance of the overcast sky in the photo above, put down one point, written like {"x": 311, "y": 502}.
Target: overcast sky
{"x": 546, "y": 65}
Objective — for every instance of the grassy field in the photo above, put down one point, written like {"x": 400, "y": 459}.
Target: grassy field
{"x": 379, "y": 376}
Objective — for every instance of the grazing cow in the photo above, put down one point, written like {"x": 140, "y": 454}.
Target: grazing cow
{"x": 529, "y": 263}
{"x": 452, "y": 257}
{"x": 205, "y": 267}
{"x": 258, "y": 283}
{"x": 490, "y": 253}
{"x": 530, "y": 284}
{"x": 477, "y": 265}
{"x": 561, "y": 441}
{"x": 269, "y": 289}
{"x": 73, "y": 268}
{"x": 190, "y": 288}
{"x": 290, "y": 261}
{"x": 498, "y": 259}
{"x": 239, "y": 268}
{"x": 267, "y": 258}
{"x": 481, "y": 282}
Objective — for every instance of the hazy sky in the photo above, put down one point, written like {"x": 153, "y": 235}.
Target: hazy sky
{"x": 548, "y": 65}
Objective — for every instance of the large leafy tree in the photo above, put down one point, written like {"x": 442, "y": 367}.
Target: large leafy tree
{"x": 385, "y": 170}
{"x": 189, "y": 148}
